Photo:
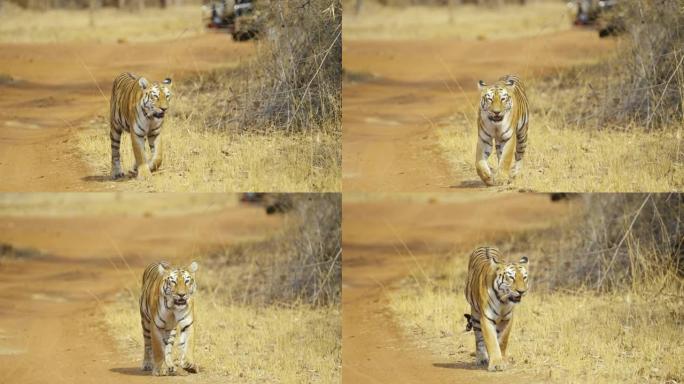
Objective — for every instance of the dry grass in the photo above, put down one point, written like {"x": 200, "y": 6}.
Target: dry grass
{"x": 561, "y": 158}
{"x": 378, "y": 22}
{"x": 110, "y": 25}
{"x": 561, "y": 337}
{"x": 634, "y": 324}
{"x": 246, "y": 344}
{"x": 198, "y": 158}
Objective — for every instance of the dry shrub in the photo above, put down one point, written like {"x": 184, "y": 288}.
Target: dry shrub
{"x": 645, "y": 82}
{"x": 618, "y": 241}
{"x": 294, "y": 82}
{"x": 301, "y": 264}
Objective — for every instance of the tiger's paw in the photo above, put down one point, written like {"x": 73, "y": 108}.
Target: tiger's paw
{"x": 117, "y": 173}
{"x": 481, "y": 359}
{"x": 147, "y": 365}
{"x": 497, "y": 365}
{"x": 164, "y": 370}
{"x": 190, "y": 367}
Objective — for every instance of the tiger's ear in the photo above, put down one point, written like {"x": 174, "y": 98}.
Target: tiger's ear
{"x": 143, "y": 83}
{"x": 523, "y": 260}
{"x": 161, "y": 268}
{"x": 167, "y": 82}
{"x": 481, "y": 85}
{"x": 193, "y": 267}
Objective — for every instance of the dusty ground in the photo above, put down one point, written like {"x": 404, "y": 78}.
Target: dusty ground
{"x": 51, "y": 328}
{"x": 53, "y": 89}
{"x": 385, "y": 242}
{"x": 397, "y": 91}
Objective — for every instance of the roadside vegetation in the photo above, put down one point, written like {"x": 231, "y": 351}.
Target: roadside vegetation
{"x": 267, "y": 310}
{"x": 612, "y": 125}
{"x": 605, "y": 302}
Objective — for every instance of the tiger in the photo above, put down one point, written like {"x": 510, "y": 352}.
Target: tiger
{"x": 493, "y": 289}
{"x": 167, "y": 304}
{"x": 502, "y": 122}
{"x": 138, "y": 106}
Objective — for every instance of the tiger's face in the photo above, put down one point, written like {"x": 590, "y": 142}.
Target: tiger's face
{"x": 511, "y": 281}
{"x": 156, "y": 97}
{"x": 495, "y": 101}
{"x": 179, "y": 286}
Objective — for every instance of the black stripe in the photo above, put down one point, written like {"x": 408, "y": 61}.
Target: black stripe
{"x": 187, "y": 326}
{"x": 485, "y": 132}
{"x": 487, "y": 317}
{"x": 488, "y": 142}
{"x": 478, "y": 329}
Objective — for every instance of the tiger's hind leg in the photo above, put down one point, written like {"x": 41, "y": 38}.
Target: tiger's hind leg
{"x": 147, "y": 354}
{"x": 115, "y": 138}
{"x": 520, "y": 147}
{"x": 481, "y": 356}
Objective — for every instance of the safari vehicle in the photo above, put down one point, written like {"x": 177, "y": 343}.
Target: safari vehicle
{"x": 240, "y": 18}
{"x": 592, "y": 12}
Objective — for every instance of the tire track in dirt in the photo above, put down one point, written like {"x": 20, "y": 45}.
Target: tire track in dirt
{"x": 396, "y": 91}
{"x": 58, "y": 88}
{"x": 51, "y": 330}
{"x": 386, "y": 242}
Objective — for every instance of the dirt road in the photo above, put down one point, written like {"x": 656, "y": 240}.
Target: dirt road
{"x": 54, "y": 89}
{"x": 386, "y": 242}
{"x": 397, "y": 90}
{"x": 51, "y": 330}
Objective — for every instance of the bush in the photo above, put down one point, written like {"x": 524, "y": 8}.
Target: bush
{"x": 294, "y": 82}
{"x": 301, "y": 264}
{"x": 646, "y": 80}
{"x": 618, "y": 241}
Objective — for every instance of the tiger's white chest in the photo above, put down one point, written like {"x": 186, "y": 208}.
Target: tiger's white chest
{"x": 496, "y": 129}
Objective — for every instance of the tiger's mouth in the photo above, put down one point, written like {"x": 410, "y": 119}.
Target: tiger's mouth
{"x": 496, "y": 118}
{"x": 515, "y": 299}
{"x": 180, "y": 302}
{"x": 158, "y": 115}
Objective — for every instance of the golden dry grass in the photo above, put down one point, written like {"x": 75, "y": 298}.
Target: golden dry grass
{"x": 378, "y": 22}
{"x": 200, "y": 160}
{"x": 109, "y": 25}
{"x": 561, "y": 158}
{"x": 246, "y": 344}
{"x": 569, "y": 337}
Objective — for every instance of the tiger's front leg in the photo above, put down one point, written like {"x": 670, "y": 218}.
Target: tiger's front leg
{"x": 482, "y": 153}
{"x": 496, "y": 362}
{"x": 187, "y": 361}
{"x": 154, "y": 140}
{"x": 506, "y": 157}
{"x": 503, "y": 336}
{"x": 160, "y": 364}
{"x": 141, "y": 168}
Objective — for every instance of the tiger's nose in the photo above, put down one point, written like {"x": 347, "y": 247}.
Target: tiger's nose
{"x": 520, "y": 292}
{"x": 163, "y": 108}
{"x": 181, "y": 295}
